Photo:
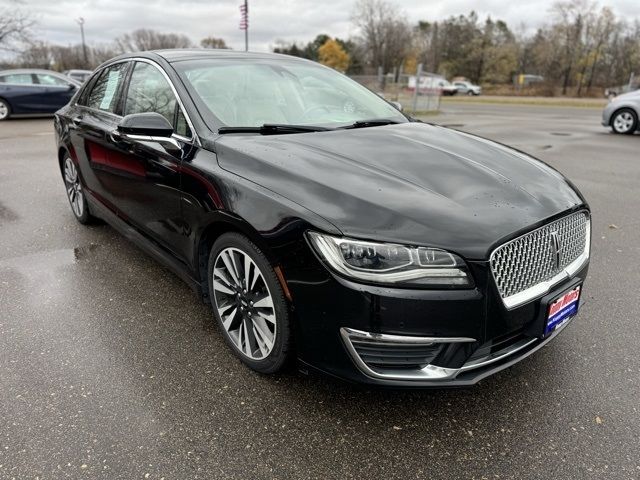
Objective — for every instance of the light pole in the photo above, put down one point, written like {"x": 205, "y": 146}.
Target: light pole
{"x": 244, "y": 23}
{"x": 80, "y": 22}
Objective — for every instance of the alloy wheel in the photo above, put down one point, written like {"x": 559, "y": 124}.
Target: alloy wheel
{"x": 244, "y": 303}
{"x": 623, "y": 122}
{"x": 4, "y": 111}
{"x": 74, "y": 188}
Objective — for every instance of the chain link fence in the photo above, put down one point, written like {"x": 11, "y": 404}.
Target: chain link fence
{"x": 401, "y": 88}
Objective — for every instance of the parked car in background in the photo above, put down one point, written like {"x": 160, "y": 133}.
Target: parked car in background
{"x": 622, "y": 113}
{"x": 24, "y": 92}
{"x": 321, "y": 222}
{"x": 446, "y": 87}
{"x": 432, "y": 83}
{"x": 78, "y": 75}
{"x": 467, "y": 88}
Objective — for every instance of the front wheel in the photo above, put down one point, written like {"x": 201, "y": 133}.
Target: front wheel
{"x": 249, "y": 303}
{"x": 624, "y": 121}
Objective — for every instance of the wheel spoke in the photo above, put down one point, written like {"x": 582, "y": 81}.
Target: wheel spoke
{"x": 264, "y": 302}
{"x": 218, "y": 272}
{"x": 267, "y": 316}
{"x": 247, "y": 271}
{"x": 221, "y": 287}
{"x": 263, "y": 330}
{"x": 226, "y": 322}
{"x": 247, "y": 346}
{"x": 229, "y": 263}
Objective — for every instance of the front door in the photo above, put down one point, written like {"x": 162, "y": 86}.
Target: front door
{"x": 146, "y": 189}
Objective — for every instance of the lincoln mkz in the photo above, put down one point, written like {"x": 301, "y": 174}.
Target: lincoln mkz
{"x": 321, "y": 223}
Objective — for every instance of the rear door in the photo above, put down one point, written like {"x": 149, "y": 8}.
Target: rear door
{"x": 93, "y": 119}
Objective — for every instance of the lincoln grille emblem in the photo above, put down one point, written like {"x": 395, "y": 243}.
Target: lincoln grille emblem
{"x": 555, "y": 247}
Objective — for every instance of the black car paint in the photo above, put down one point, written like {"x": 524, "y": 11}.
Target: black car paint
{"x": 410, "y": 183}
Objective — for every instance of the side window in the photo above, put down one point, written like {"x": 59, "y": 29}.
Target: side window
{"x": 103, "y": 95}
{"x": 17, "y": 78}
{"x": 46, "y": 79}
{"x": 149, "y": 91}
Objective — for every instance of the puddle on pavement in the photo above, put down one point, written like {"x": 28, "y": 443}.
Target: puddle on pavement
{"x": 36, "y": 264}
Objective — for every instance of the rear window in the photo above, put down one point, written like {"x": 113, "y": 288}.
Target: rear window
{"x": 104, "y": 94}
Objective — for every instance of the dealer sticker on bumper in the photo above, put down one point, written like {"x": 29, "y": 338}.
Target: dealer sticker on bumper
{"x": 562, "y": 309}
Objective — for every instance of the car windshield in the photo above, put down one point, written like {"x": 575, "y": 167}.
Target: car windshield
{"x": 251, "y": 94}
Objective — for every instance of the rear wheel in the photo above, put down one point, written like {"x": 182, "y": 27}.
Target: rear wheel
{"x": 75, "y": 192}
{"x": 5, "y": 110}
{"x": 624, "y": 121}
{"x": 248, "y": 303}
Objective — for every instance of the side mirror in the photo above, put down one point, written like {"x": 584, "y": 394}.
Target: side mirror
{"x": 149, "y": 124}
{"x": 397, "y": 105}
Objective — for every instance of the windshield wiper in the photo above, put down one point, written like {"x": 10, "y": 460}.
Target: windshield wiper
{"x": 374, "y": 122}
{"x": 273, "y": 129}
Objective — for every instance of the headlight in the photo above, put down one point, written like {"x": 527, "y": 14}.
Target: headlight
{"x": 388, "y": 263}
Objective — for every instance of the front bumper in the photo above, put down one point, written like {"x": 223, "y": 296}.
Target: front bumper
{"x": 606, "y": 114}
{"x": 457, "y": 337}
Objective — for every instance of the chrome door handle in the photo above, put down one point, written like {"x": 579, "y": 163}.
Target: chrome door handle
{"x": 115, "y": 136}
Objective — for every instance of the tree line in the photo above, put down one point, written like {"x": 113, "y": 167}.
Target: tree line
{"x": 582, "y": 46}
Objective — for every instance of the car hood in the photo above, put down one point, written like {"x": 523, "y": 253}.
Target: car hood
{"x": 410, "y": 183}
{"x": 627, "y": 96}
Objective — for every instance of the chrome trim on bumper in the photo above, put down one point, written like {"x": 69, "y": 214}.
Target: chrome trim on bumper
{"x": 384, "y": 338}
{"x": 431, "y": 373}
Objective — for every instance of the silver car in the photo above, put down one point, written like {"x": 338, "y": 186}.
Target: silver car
{"x": 622, "y": 112}
{"x": 467, "y": 88}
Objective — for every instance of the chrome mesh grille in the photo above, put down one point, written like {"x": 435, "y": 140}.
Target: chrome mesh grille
{"x": 533, "y": 258}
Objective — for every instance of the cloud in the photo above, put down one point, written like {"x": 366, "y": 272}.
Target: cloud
{"x": 269, "y": 20}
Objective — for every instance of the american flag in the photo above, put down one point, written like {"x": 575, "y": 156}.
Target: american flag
{"x": 244, "y": 16}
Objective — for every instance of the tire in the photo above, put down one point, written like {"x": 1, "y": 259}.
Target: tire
{"x": 252, "y": 314}
{"x": 624, "y": 121}
{"x": 5, "y": 110}
{"x": 470, "y": 93}
{"x": 75, "y": 191}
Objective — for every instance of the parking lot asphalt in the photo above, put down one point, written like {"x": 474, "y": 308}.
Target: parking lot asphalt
{"x": 110, "y": 367}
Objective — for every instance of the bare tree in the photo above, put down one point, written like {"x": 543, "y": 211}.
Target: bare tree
{"x": 14, "y": 25}
{"x": 385, "y": 32}
{"x": 36, "y": 55}
{"x": 147, "y": 39}
{"x": 213, "y": 42}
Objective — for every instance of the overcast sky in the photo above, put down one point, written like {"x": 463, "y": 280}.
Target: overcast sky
{"x": 270, "y": 20}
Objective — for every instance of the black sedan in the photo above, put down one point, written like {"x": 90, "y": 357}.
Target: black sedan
{"x": 34, "y": 92}
{"x": 321, "y": 223}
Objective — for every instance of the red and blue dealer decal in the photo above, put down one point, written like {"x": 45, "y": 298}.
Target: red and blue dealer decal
{"x": 562, "y": 309}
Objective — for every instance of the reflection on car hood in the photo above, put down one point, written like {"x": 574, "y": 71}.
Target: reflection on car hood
{"x": 410, "y": 183}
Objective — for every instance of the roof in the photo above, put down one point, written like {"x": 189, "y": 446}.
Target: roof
{"x": 180, "y": 54}
{"x": 173, "y": 55}
{"x": 32, "y": 70}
